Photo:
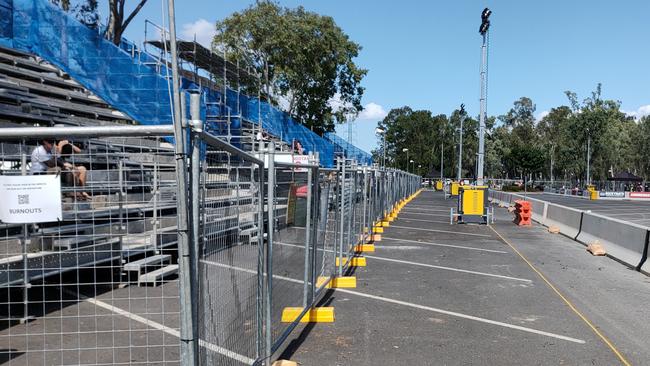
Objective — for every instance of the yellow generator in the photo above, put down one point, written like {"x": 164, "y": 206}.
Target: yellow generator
{"x": 473, "y": 205}
{"x": 455, "y": 187}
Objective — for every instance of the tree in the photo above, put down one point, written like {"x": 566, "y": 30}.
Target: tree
{"x": 528, "y": 159}
{"x": 63, "y": 4}
{"x": 306, "y": 60}
{"x": 87, "y": 14}
{"x": 521, "y": 119}
{"x": 118, "y": 19}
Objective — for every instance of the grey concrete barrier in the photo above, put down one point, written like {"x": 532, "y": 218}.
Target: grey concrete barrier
{"x": 565, "y": 218}
{"x": 645, "y": 267}
{"x": 623, "y": 240}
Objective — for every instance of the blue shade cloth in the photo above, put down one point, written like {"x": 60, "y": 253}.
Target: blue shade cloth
{"x": 108, "y": 71}
{"x": 6, "y": 23}
{"x": 346, "y": 149}
{"x": 126, "y": 81}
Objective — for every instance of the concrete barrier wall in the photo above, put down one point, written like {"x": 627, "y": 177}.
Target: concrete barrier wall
{"x": 645, "y": 268}
{"x": 567, "y": 219}
{"x": 622, "y": 240}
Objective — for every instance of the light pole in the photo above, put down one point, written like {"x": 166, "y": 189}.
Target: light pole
{"x": 460, "y": 144}
{"x": 588, "y": 156}
{"x": 483, "y": 30}
{"x": 406, "y": 150}
{"x": 442, "y": 159}
{"x": 381, "y": 131}
{"x": 409, "y": 167}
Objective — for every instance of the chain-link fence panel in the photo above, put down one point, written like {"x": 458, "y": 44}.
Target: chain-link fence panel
{"x": 88, "y": 247}
{"x": 228, "y": 189}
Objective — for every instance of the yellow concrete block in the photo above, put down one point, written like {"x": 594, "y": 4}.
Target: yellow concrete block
{"x": 284, "y": 363}
{"x": 354, "y": 262}
{"x": 376, "y": 237}
{"x": 391, "y": 218}
{"x": 345, "y": 261}
{"x": 385, "y": 223}
{"x": 364, "y": 248}
{"x": 322, "y": 280}
{"x": 378, "y": 229}
{"x": 343, "y": 282}
{"x": 314, "y": 315}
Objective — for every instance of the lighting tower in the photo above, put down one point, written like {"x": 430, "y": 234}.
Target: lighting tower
{"x": 460, "y": 143}
{"x": 483, "y": 30}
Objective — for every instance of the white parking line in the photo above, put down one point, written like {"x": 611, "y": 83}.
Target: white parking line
{"x": 439, "y": 231}
{"x": 438, "y": 215}
{"x": 407, "y": 208}
{"x": 435, "y": 222}
{"x": 420, "y": 264}
{"x": 464, "y": 316}
{"x": 447, "y": 268}
{"x": 446, "y": 245}
{"x": 421, "y": 214}
{"x": 423, "y": 307}
{"x": 163, "y": 328}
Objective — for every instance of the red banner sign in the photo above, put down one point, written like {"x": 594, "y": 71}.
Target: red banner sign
{"x": 639, "y": 194}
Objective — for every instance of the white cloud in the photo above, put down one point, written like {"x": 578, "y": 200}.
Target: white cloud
{"x": 642, "y": 111}
{"x": 203, "y": 29}
{"x": 372, "y": 111}
{"x": 541, "y": 115}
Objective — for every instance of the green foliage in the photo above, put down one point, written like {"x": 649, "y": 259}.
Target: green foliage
{"x": 517, "y": 145}
{"x": 527, "y": 158}
{"x": 86, "y": 13}
{"x": 427, "y": 136}
{"x": 306, "y": 60}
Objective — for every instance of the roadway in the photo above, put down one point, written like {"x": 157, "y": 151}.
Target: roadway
{"x": 436, "y": 294}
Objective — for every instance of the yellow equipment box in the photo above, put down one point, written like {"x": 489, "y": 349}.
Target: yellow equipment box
{"x": 472, "y": 204}
{"x": 455, "y": 187}
{"x": 439, "y": 185}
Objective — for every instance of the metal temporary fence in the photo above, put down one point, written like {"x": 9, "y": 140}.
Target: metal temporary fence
{"x": 95, "y": 285}
{"x": 105, "y": 285}
{"x": 227, "y": 195}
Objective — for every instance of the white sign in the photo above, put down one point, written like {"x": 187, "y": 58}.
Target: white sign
{"x": 299, "y": 160}
{"x": 26, "y": 199}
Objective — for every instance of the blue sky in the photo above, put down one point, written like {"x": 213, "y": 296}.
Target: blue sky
{"x": 426, "y": 54}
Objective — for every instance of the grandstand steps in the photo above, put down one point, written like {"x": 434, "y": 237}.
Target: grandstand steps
{"x": 141, "y": 266}
{"x": 26, "y": 61}
{"x": 77, "y": 242}
{"x": 46, "y": 263}
{"x": 156, "y": 277}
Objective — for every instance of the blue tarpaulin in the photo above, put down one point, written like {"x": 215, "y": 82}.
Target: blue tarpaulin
{"x": 131, "y": 85}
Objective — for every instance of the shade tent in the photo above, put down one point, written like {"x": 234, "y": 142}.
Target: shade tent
{"x": 625, "y": 177}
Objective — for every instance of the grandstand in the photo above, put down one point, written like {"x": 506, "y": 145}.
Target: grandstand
{"x": 131, "y": 209}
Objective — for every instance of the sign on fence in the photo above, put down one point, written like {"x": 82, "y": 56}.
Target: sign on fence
{"x": 26, "y": 199}
{"x": 612, "y": 194}
{"x": 300, "y": 159}
{"x": 639, "y": 194}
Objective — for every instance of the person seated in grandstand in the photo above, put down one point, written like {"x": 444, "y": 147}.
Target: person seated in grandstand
{"x": 43, "y": 158}
{"x": 297, "y": 147}
{"x": 50, "y": 158}
{"x": 74, "y": 175}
